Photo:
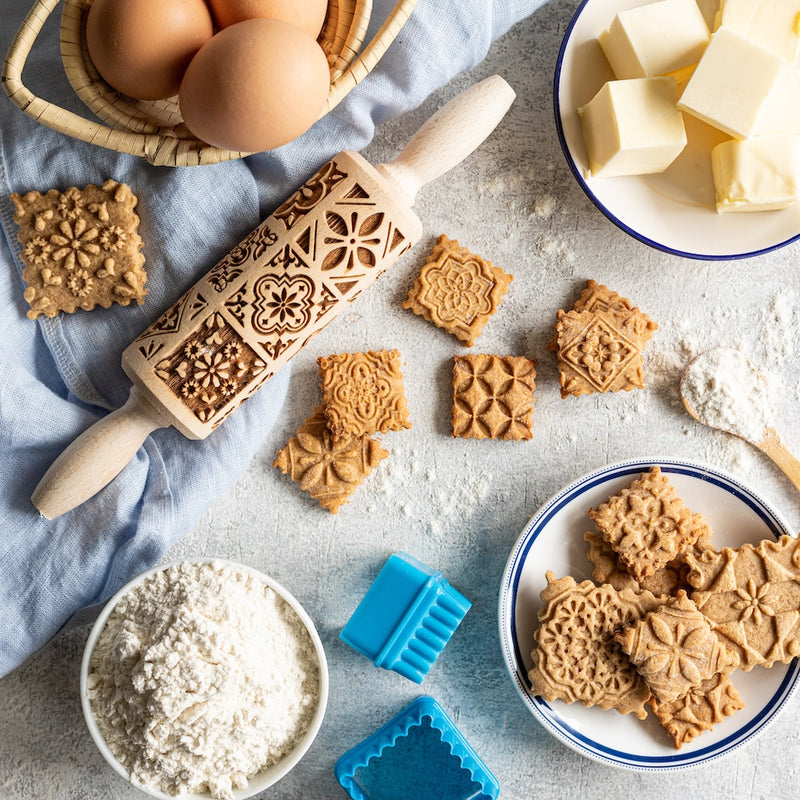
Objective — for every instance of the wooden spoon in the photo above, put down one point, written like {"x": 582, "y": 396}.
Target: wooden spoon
{"x": 722, "y": 389}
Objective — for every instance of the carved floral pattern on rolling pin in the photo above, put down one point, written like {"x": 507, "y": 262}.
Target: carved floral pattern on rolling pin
{"x": 272, "y": 293}
{"x": 213, "y": 366}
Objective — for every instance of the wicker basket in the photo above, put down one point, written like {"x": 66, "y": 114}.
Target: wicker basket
{"x": 154, "y": 129}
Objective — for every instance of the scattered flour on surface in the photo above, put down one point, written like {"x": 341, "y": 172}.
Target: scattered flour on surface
{"x": 202, "y": 677}
{"x": 543, "y": 207}
{"x": 409, "y": 480}
{"x": 555, "y": 246}
{"x": 779, "y": 323}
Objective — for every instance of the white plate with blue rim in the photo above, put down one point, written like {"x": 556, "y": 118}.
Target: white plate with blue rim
{"x": 553, "y": 540}
{"x": 673, "y": 211}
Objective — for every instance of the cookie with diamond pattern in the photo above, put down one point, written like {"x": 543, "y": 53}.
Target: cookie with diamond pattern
{"x": 600, "y": 342}
{"x": 493, "y": 397}
{"x": 80, "y": 248}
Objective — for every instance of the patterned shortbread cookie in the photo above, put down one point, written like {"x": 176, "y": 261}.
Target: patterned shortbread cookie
{"x": 599, "y": 343}
{"x": 664, "y": 581}
{"x": 493, "y": 397}
{"x": 81, "y": 248}
{"x": 329, "y": 471}
{"x": 751, "y": 595}
{"x": 576, "y": 657}
{"x": 647, "y": 524}
{"x": 457, "y": 290}
{"x": 608, "y": 569}
{"x": 698, "y": 710}
{"x": 674, "y": 648}
{"x": 363, "y": 393}
{"x": 600, "y": 299}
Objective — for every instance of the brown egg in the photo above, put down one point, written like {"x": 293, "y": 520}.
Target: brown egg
{"x": 142, "y": 47}
{"x": 308, "y": 15}
{"x": 254, "y": 86}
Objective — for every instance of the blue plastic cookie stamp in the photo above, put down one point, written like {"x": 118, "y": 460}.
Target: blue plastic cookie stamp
{"x": 406, "y": 617}
{"x": 419, "y": 754}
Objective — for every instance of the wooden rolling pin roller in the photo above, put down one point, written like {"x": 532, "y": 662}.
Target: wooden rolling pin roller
{"x": 231, "y": 332}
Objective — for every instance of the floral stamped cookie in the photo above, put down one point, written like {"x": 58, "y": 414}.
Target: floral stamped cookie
{"x": 751, "y": 595}
{"x": 81, "y": 248}
{"x": 647, "y": 524}
{"x": 330, "y": 471}
{"x": 674, "y": 649}
{"x": 363, "y": 393}
{"x": 457, "y": 290}
{"x": 493, "y": 397}
{"x": 576, "y": 657}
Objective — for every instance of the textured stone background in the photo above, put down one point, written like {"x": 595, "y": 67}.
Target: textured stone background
{"x": 459, "y": 505}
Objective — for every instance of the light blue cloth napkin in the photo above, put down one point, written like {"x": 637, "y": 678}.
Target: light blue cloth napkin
{"x": 58, "y": 376}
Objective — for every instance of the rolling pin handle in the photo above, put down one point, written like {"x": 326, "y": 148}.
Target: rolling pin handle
{"x": 450, "y": 135}
{"x": 96, "y": 457}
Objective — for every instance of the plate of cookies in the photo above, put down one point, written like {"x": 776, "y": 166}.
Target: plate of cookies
{"x": 671, "y": 172}
{"x": 649, "y": 615}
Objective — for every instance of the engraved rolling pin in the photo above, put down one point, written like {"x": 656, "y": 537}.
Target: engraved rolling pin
{"x": 240, "y": 323}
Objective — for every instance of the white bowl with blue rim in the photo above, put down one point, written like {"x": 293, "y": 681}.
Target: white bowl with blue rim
{"x": 674, "y": 211}
{"x": 553, "y": 540}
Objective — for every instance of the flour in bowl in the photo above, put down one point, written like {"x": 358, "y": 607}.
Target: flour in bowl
{"x": 201, "y": 677}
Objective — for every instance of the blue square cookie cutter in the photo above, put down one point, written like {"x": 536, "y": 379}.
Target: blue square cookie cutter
{"x": 419, "y": 754}
{"x": 406, "y": 617}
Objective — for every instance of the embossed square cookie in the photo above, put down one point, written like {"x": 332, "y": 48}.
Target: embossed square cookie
{"x": 698, "y": 710}
{"x": 329, "y": 471}
{"x": 81, "y": 248}
{"x": 751, "y": 595}
{"x": 493, "y": 397}
{"x": 674, "y": 648}
{"x": 599, "y": 343}
{"x": 576, "y": 658}
{"x": 647, "y": 524}
{"x": 363, "y": 393}
{"x": 608, "y": 569}
{"x": 457, "y": 290}
{"x": 664, "y": 581}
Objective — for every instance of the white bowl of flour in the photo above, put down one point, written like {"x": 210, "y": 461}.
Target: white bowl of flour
{"x": 204, "y": 677}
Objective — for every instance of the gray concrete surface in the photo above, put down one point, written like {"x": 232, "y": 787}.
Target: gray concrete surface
{"x": 459, "y": 504}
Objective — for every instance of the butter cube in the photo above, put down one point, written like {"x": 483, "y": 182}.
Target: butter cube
{"x": 757, "y": 174}
{"x": 731, "y": 83}
{"x": 632, "y": 127}
{"x": 655, "y": 39}
{"x": 771, "y": 23}
{"x": 781, "y": 110}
